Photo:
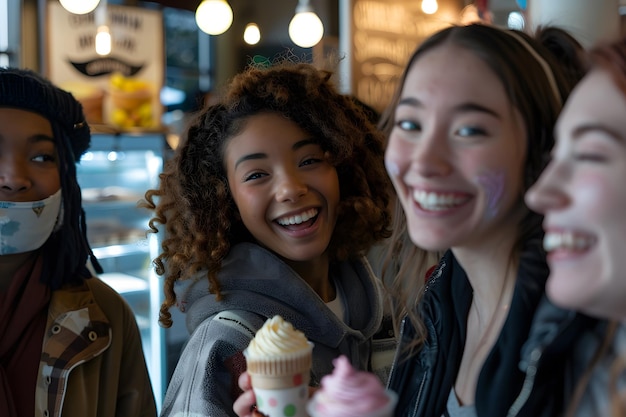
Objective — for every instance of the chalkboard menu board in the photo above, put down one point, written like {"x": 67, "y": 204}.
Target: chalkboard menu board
{"x": 384, "y": 34}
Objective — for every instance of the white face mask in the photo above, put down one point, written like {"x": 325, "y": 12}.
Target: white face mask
{"x": 26, "y": 226}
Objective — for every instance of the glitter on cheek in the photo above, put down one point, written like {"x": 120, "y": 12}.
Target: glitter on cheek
{"x": 493, "y": 184}
{"x": 392, "y": 167}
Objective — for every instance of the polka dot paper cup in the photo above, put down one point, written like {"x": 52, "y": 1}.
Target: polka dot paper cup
{"x": 286, "y": 402}
{"x": 281, "y": 385}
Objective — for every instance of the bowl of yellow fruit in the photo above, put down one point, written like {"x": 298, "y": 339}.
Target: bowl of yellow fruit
{"x": 89, "y": 95}
{"x": 131, "y": 102}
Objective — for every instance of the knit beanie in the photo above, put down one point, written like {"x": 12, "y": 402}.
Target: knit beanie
{"x": 27, "y": 90}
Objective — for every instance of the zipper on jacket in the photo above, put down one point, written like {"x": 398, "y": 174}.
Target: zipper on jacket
{"x": 529, "y": 382}
{"x": 403, "y": 325}
{"x": 396, "y": 354}
{"x": 419, "y": 395}
{"x": 420, "y": 389}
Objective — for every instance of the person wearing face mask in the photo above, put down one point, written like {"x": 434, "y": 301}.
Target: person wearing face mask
{"x": 69, "y": 344}
{"x": 581, "y": 193}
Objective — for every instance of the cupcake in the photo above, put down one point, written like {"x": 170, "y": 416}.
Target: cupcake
{"x": 279, "y": 363}
{"x": 348, "y": 393}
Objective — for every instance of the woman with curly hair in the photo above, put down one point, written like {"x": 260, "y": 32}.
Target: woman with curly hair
{"x": 268, "y": 207}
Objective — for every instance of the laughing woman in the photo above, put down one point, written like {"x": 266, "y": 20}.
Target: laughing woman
{"x": 582, "y": 195}
{"x": 269, "y": 206}
{"x": 469, "y": 134}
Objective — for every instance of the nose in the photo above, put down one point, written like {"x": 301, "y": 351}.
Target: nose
{"x": 430, "y": 156}
{"x": 13, "y": 177}
{"x": 548, "y": 193}
{"x": 290, "y": 188}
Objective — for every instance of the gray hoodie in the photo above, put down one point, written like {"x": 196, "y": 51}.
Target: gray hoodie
{"x": 257, "y": 285}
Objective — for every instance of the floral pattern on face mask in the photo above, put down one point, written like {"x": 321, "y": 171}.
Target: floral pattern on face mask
{"x": 25, "y": 226}
{"x": 8, "y": 227}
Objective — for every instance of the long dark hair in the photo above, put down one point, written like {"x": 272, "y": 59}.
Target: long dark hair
{"x": 536, "y": 83}
{"x": 67, "y": 250}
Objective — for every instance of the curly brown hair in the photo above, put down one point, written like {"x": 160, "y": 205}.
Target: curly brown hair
{"x": 193, "y": 201}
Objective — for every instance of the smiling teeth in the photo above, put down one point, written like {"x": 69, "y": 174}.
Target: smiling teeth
{"x": 566, "y": 240}
{"x": 437, "y": 201}
{"x": 301, "y": 218}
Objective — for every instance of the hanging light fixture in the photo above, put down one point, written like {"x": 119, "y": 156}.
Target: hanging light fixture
{"x": 429, "y": 6}
{"x": 79, "y": 6}
{"x": 252, "y": 34}
{"x": 214, "y": 16}
{"x": 103, "y": 40}
{"x": 103, "y": 35}
{"x": 306, "y": 28}
{"x": 515, "y": 20}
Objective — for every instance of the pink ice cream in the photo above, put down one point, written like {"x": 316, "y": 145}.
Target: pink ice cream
{"x": 348, "y": 393}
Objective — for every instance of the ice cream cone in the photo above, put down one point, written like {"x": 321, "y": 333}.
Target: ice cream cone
{"x": 279, "y": 359}
{"x": 281, "y": 383}
{"x": 315, "y": 410}
{"x": 348, "y": 392}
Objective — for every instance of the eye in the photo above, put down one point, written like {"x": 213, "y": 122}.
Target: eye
{"x": 44, "y": 157}
{"x": 310, "y": 161}
{"x": 408, "y": 125}
{"x": 254, "y": 176}
{"x": 468, "y": 131}
{"x": 590, "y": 157}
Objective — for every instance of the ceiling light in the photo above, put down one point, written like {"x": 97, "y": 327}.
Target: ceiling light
{"x": 214, "y": 16}
{"x": 515, "y": 21}
{"x": 79, "y": 6}
{"x": 429, "y": 6}
{"x": 306, "y": 28}
{"x": 103, "y": 40}
{"x": 252, "y": 34}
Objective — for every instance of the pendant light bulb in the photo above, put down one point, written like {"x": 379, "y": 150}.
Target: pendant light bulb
{"x": 79, "y": 6}
{"x": 306, "y": 28}
{"x": 103, "y": 41}
{"x": 252, "y": 34}
{"x": 429, "y": 6}
{"x": 214, "y": 16}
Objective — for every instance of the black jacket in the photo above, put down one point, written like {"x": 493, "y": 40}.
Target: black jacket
{"x": 525, "y": 372}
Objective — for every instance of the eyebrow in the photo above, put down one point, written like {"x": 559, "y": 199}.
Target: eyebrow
{"x": 41, "y": 138}
{"x": 36, "y": 138}
{"x": 461, "y": 108}
{"x": 581, "y": 130}
{"x": 261, "y": 155}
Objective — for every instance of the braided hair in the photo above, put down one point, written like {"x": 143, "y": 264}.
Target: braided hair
{"x": 66, "y": 251}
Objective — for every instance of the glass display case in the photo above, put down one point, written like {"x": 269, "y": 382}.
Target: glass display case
{"x": 114, "y": 175}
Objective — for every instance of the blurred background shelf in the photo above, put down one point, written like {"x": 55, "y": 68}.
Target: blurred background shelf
{"x": 114, "y": 176}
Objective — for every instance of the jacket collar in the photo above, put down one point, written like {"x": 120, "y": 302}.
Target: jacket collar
{"x": 254, "y": 279}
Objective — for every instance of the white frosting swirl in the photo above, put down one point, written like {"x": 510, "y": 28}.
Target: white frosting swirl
{"x": 277, "y": 337}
